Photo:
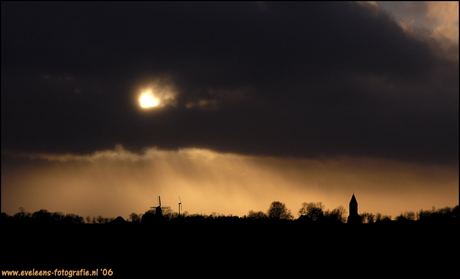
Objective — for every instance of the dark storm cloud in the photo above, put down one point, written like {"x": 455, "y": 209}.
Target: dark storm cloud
{"x": 283, "y": 79}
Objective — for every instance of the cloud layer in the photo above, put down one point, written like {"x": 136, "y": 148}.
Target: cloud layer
{"x": 307, "y": 80}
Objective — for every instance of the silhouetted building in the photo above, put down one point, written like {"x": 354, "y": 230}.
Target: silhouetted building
{"x": 118, "y": 220}
{"x": 353, "y": 217}
{"x": 158, "y": 211}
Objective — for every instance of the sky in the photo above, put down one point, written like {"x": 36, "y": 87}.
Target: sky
{"x": 229, "y": 105}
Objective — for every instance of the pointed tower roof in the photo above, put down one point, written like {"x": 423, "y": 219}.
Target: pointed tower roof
{"x": 353, "y": 217}
{"x": 353, "y": 199}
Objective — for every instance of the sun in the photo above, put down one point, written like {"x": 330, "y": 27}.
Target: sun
{"x": 147, "y": 100}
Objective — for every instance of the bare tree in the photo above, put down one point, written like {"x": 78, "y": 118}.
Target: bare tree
{"x": 134, "y": 218}
{"x": 73, "y": 219}
{"x": 314, "y": 211}
{"x": 410, "y": 215}
{"x": 22, "y": 214}
{"x": 278, "y": 210}
{"x": 340, "y": 213}
{"x": 167, "y": 213}
{"x": 257, "y": 215}
{"x": 406, "y": 216}
{"x": 58, "y": 216}
{"x": 364, "y": 218}
{"x": 386, "y": 218}
{"x": 370, "y": 218}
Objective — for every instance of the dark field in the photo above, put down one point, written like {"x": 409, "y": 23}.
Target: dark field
{"x": 236, "y": 248}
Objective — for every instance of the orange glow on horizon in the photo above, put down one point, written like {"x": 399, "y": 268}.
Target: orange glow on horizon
{"x": 117, "y": 182}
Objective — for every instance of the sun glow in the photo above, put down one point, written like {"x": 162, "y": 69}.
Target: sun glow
{"x": 147, "y": 100}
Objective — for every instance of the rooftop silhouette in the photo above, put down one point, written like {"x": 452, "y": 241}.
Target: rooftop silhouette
{"x": 353, "y": 217}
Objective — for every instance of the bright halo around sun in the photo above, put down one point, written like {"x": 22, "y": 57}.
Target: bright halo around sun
{"x": 147, "y": 100}
{"x": 158, "y": 93}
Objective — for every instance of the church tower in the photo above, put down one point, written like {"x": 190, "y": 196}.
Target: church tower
{"x": 353, "y": 206}
{"x": 353, "y": 217}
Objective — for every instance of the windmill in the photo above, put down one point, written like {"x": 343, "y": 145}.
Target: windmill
{"x": 159, "y": 208}
{"x": 180, "y": 205}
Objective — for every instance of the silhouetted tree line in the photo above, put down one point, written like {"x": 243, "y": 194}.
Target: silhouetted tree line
{"x": 43, "y": 216}
{"x": 309, "y": 213}
{"x": 440, "y": 216}
{"x": 314, "y": 213}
